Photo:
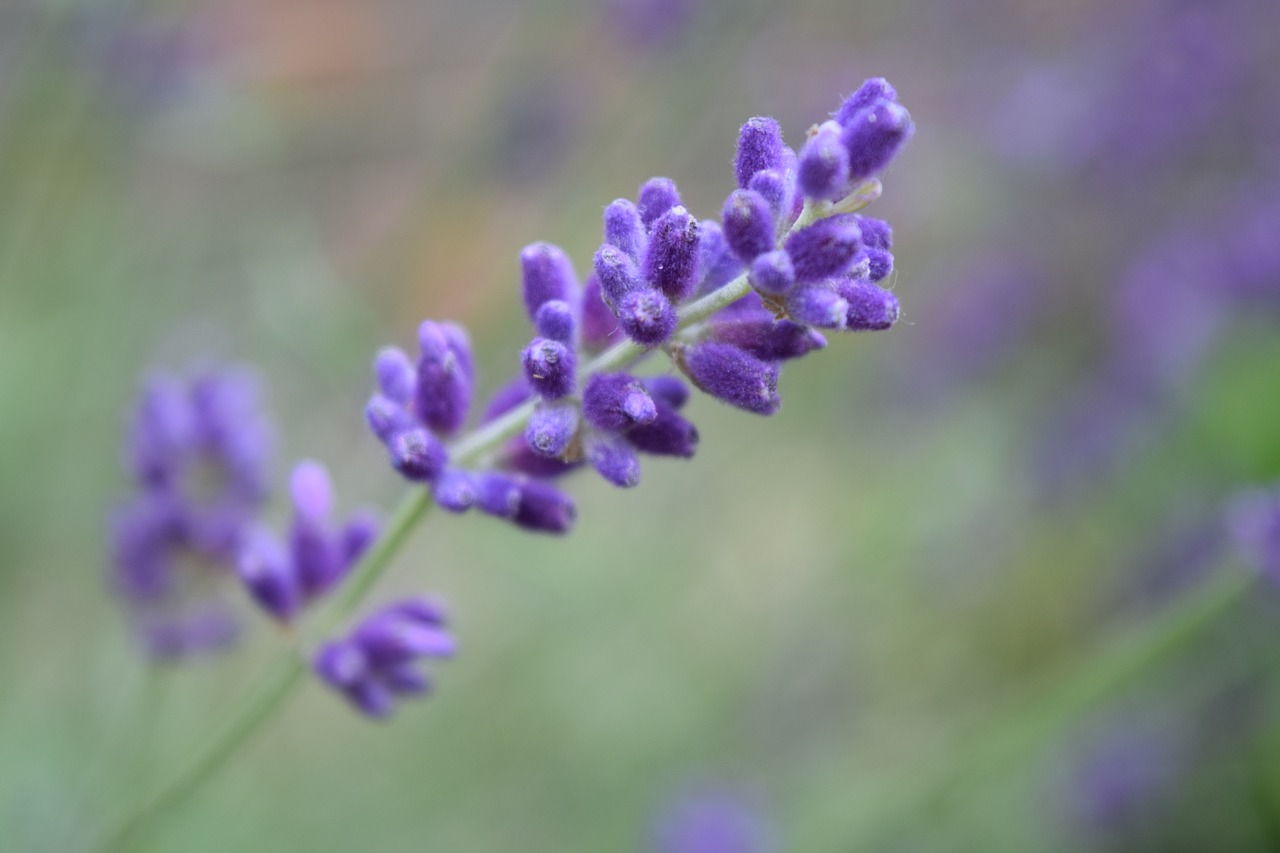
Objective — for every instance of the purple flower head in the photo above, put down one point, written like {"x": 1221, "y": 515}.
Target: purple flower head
{"x": 550, "y": 367}
{"x": 760, "y": 147}
{"x": 546, "y": 274}
{"x": 282, "y": 577}
{"x": 624, "y": 230}
{"x": 647, "y": 316}
{"x": 874, "y": 136}
{"x": 871, "y": 308}
{"x": 1253, "y": 520}
{"x": 377, "y": 663}
{"x": 552, "y": 429}
{"x": 748, "y": 224}
{"x": 732, "y": 375}
{"x": 823, "y": 170}
{"x": 657, "y": 196}
{"x": 615, "y": 402}
{"x": 555, "y": 321}
{"x": 773, "y": 273}
{"x": 824, "y": 249}
{"x": 614, "y": 460}
{"x": 617, "y": 273}
{"x": 671, "y": 262}
{"x": 871, "y": 91}
{"x": 445, "y": 377}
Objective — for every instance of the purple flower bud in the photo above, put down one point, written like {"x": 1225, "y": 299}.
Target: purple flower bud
{"x": 395, "y": 374}
{"x": 874, "y": 137}
{"x": 618, "y": 275}
{"x": 404, "y": 680}
{"x": 817, "y": 305}
{"x": 417, "y": 454}
{"x": 671, "y": 262}
{"x": 657, "y": 196}
{"x": 599, "y": 327}
{"x": 358, "y": 534}
{"x": 341, "y": 664}
{"x": 647, "y": 317}
{"x": 871, "y": 91}
{"x": 1253, "y": 521}
{"x": 445, "y": 376}
{"x": 732, "y": 375}
{"x": 312, "y": 491}
{"x": 269, "y": 575}
{"x": 454, "y": 490}
{"x": 551, "y": 368}
{"x": 667, "y": 390}
{"x": 825, "y": 248}
{"x": 614, "y": 459}
{"x": 767, "y": 339}
{"x": 546, "y": 274}
{"x": 623, "y": 229}
{"x": 748, "y": 224}
{"x": 551, "y": 429}
{"x": 760, "y": 147}
{"x": 427, "y": 610}
{"x": 668, "y": 435}
{"x": 317, "y": 560}
{"x": 871, "y": 308}
{"x": 497, "y": 494}
{"x": 774, "y": 188}
{"x": 772, "y": 273}
{"x": 386, "y": 417}
{"x": 555, "y": 321}
{"x": 389, "y": 639}
{"x": 616, "y": 401}
{"x": 876, "y": 233}
{"x": 518, "y": 457}
{"x": 879, "y": 264}
{"x": 717, "y": 264}
{"x": 543, "y": 508}
{"x": 823, "y": 171}
{"x": 371, "y": 698}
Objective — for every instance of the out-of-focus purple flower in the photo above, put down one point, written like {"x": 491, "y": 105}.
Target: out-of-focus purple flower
{"x": 377, "y": 664}
{"x": 1253, "y": 520}
{"x": 1118, "y": 775}
{"x": 546, "y": 274}
{"x": 650, "y": 24}
{"x": 284, "y": 576}
{"x": 713, "y": 820}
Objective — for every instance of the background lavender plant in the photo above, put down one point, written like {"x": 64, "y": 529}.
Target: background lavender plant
{"x": 331, "y": 173}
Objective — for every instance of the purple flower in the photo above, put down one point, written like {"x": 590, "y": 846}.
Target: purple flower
{"x": 546, "y": 274}
{"x": 823, "y": 169}
{"x": 760, "y": 147}
{"x": 874, "y": 136}
{"x": 377, "y": 663}
{"x": 824, "y": 249}
{"x": 550, "y": 367}
{"x": 1253, "y": 520}
{"x": 624, "y": 230}
{"x": 712, "y": 820}
{"x": 616, "y": 401}
{"x": 283, "y": 577}
{"x": 647, "y": 316}
{"x": 748, "y": 225}
{"x": 732, "y": 375}
{"x": 657, "y": 196}
{"x": 445, "y": 377}
{"x": 671, "y": 261}
{"x": 552, "y": 429}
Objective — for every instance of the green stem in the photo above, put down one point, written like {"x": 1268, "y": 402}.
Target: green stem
{"x": 1029, "y": 725}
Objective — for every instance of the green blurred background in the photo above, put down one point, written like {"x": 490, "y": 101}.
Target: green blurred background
{"x": 824, "y": 612}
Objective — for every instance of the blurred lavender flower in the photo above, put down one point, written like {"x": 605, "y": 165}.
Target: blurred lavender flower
{"x": 377, "y": 663}
{"x": 198, "y": 451}
{"x": 650, "y": 24}
{"x": 713, "y": 820}
{"x": 1119, "y": 774}
{"x": 1253, "y": 520}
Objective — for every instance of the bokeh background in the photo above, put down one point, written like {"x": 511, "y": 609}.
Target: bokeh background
{"x": 805, "y": 636}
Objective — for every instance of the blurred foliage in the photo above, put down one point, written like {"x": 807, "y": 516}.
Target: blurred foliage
{"x": 823, "y": 604}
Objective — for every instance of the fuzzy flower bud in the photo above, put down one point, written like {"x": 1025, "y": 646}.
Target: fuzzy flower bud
{"x": 623, "y": 229}
{"x": 760, "y": 147}
{"x": 550, "y": 368}
{"x": 599, "y": 325}
{"x": 656, "y": 197}
{"x": 445, "y": 377}
{"x": 454, "y": 490}
{"x": 874, "y": 136}
{"x": 768, "y": 339}
{"x": 647, "y": 316}
{"x": 717, "y": 264}
{"x": 732, "y": 375}
{"x": 618, "y": 275}
{"x": 823, "y": 171}
{"x": 614, "y": 460}
{"x": 551, "y": 429}
{"x": 671, "y": 262}
{"x": 546, "y": 274}
{"x": 772, "y": 273}
{"x": 817, "y": 305}
{"x": 268, "y": 574}
{"x": 871, "y": 91}
{"x": 748, "y": 224}
{"x": 871, "y": 308}
{"x": 668, "y": 434}
{"x": 616, "y": 401}
{"x": 395, "y": 374}
{"x": 876, "y": 233}
{"x": 879, "y": 264}
{"x": 825, "y": 248}
{"x": 417, "y": 454}
{"x": 774, "y": 188}
{"x": 668, "y": 391}
{"x": 555, "y": 321}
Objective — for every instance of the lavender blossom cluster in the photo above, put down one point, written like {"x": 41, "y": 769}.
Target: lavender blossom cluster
{"x": 726, "y": 301}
